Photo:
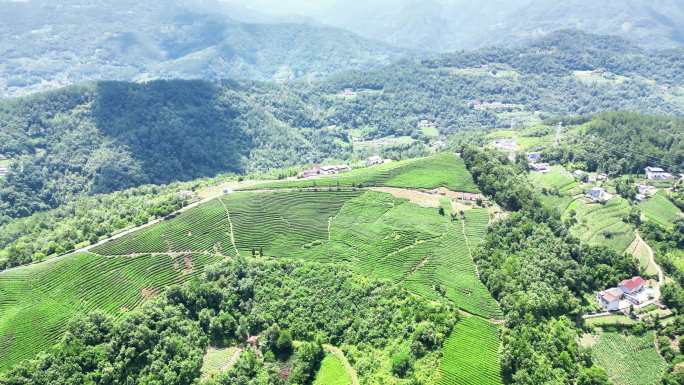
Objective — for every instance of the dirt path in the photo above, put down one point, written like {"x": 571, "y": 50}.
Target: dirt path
{"x": 347, "y": 366}
{"x": 230, "y": 223}
{"x": 651, "y": 259}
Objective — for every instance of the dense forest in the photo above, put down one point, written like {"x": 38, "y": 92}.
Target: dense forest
{"x": 541, "y": 306}
{"x": 624, "y": 143}
{"x": 297, "y": 306}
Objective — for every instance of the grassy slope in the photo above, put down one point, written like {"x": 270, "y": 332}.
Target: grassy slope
{"x": 629, "y": 360}
{"x": 332, "y": 372}
{"x": 661, "y": 210}
{"x": 37, "y": 301}
{"x": 441, "y": 170}
{"x": 471, "y": 354}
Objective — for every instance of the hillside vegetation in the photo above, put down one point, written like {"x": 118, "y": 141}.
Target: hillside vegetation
{"x": 107, "y": 136}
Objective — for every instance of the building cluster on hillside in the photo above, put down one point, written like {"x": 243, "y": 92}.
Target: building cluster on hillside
{"x": 657, "y": 173}
{"x": 484, "y": 106}
{"x": 645, "y": 191}
{"x": 533, "y": 159}
{"x": 630, "y": 292}
{"x": 505, "y": 144}
{"x": 324, "y": 170}
{"x": 348, "y": 93}
{"x": 589, "y": 177}
{"x": 427, "y": 124}
{"x": 464, "y": 196}
{"x": 374, "y": 160}
{"x": 599, "y": 195}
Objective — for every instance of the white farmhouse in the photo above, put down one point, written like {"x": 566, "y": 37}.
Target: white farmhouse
{"x": 609, "y": 300}
{"x": 657, "y": 173}
{"x": 598, "y": 194}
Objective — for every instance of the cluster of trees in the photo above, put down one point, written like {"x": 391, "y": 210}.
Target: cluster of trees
{"x": 278, "y": 301}
{"x": 624, "y": 143}
{"x": 541, "y": 306}
{"x": 84, "y": 221}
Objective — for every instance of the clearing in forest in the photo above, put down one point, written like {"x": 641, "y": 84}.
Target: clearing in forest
{"x": 629, "y": 359}
{"x": 332, "y": 372}
{"x": 471, "y": 354}
{"x": 37, "y": 301}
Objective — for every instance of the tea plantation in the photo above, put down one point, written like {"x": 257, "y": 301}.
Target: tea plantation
{"x": 36, "y": 302}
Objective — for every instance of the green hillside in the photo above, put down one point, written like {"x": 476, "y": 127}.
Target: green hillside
{"x": 441, "y": 170}
{"x": 37, "y": 302}
{"x": 375, "y": 233}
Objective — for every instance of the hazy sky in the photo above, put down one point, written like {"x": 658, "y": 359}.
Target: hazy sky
{"x": 286, "y": 7}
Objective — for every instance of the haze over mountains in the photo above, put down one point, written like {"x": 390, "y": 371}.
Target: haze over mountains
{"x": 48, "y": 45}
{"x": 447, "y": 25}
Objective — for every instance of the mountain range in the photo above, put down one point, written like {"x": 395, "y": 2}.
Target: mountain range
{"x": 48, "y": 46}
{"x": 447, "y": 25}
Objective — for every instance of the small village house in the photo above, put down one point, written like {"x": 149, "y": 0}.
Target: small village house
{"x": 540, "y": 167}
{"x": 3, "y": 170}
{"x": 609, "y": 300}
{"x": 373, "y": 160}
{"x": 505, "y": 144}
{"x": 657, "y": 173}
{"x": 324, "y": 170}
{"x": 579, "y": 174}
{"x": 601, "y": 176}
{"x": 533, "y": 157}
{"x": 630, "y": 292}
{"x": 598, "y": 194}
{"x": 646, "y": 190}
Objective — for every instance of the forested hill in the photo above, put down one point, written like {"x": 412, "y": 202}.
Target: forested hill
{"x": 107, "y": 136}
{"x": 110, "y": 135}
{"x": 47, "y": 45}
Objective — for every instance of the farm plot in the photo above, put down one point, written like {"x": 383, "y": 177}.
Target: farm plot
{"x": 471, "y": 354}
{"x": 36, "y": 302}
{"x": 393, "y": 239}
{"x": 374, "y": 233}
{"x": 629, "y": 360}
{"x": 661, "y": 210}
{"x": 284, "y": 224}
{"x": 441, "y": 170}
{"x": 204, "y": 228}
{"x": 602, "y": 224}
{"x": 556, "y": 179}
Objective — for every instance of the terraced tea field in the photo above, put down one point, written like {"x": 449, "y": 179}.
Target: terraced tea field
{"x": 441, "y": 170}
{"x": 602, "y": 224}
{"x": 629, "y": 360}
{"x": 471, "y": 354}
{"x": 37, "y": 301}
{"x": 375, "y": 233}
